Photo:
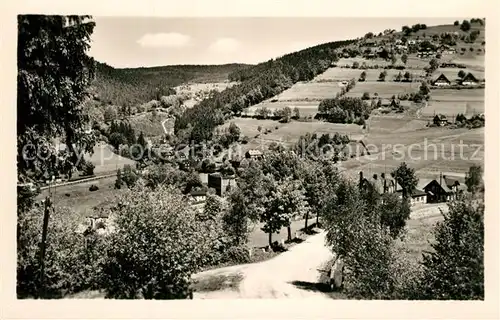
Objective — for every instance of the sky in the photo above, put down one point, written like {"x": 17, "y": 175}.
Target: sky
{"x": 127, "y": 42}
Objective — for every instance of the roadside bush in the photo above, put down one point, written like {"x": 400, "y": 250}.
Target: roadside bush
{"x": 88, "y": 168}
{"x": 93, "y": 188}
{"x": 237, "y": 255}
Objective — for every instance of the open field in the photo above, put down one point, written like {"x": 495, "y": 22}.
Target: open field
{"x": 476, "y": 63}
{"x": 312, "y": 91}
{"x": 148, "y": 124}
{"x": 384, "y": 89}
{"x": 106, "y": 161}
{"x": 457, "y": 95}
{"x": 80, "y": 199}
{"x": 452, "y": 108}
{"x": 195, "y": 92}
{"x": 388, "y": 125}
{"x": 418, "y": 237}
{"x": 306, "y": 108}
{"x": 340, "y": 74}
{"x": 428, "y": 151}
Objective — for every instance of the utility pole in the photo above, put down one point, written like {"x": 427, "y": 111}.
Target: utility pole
{"x": 46, "y": 215}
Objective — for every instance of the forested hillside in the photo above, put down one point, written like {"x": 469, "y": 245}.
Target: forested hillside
{"x": 134, "y": 86}
{"x": 258, "y": 83}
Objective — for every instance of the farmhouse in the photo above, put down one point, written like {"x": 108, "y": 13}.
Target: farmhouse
{"x": 441, "y": 81}
{"x": 253, "y": 154}
{"x": 469, "y": 80}
{"x": 446, "y": 189}
{"x": 440, "y": 120}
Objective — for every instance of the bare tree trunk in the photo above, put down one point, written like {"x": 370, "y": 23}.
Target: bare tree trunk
{"x": 270, "y": 239}
{"x": 317, "y": 219}
{"x": 289, "y": 231}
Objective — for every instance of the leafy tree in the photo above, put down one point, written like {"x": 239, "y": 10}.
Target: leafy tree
{"x": 296, "y": 113}
{"x": 237, "y": 218}
{"x": 158, "y": 244}
{"x": 424, "y": 89}
{"x": 404, "y": 58}
{"x": 465, "y": 26}
{"x": 393, "y": 213}
{"x": 454, "y": 269}
{"x": 382, "y": 76}
{"x": 355, "y": 65}
{"x": 406, "y": 178}
{"x": 234, "y": 131}
{"x": 116, "y": 139}
{"x": 366, "y": 96}
{"x": 474, "y": 178}
{"x": 461, "y": 74}
{"x": 286, "y": 202}
{"x": 362, "y": 77}
{"x": 406, "y": 30}
{"x": 369, "y": 35}
{"x": 214, "y": 207}
{"x": 361, "y": 239}
{"x": 54, "y": 74}
{"x": 456, "y": 23}
{"x": 434, "y": 64}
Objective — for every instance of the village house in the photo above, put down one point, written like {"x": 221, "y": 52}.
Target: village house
{"x": 445, "y": 189}
{"x": 441, "y": 81}
{"x": 469, "y": 80}
{"x": 389, "y": 185}
{"x": 253, "y": 154}
{"x": 198, "y": 196}
{"x": 221, "y": 184}
{"x": 440, "y": 120}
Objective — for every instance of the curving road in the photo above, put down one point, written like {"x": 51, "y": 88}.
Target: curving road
{"x": 275, "y": 278}
{"x": 301, "y": 265}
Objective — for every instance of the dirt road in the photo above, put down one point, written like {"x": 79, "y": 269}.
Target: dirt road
{"x": 292, "y": 274}
{"x": 281, "y": 277}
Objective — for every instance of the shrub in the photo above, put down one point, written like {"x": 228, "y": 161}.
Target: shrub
{"x": 366, "y": 96}
{"x": 72, "y": 260}
{"x": 93, "y": 188}
{"x": 88, "y": 168}
{"x": 236, "y": 254}
{"x": 136, "y": 266}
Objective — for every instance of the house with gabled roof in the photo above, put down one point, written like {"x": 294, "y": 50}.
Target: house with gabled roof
{"x": 442, "y": 80}
{"x": 469, "y": 80}
{"x": 447, "y": 188}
